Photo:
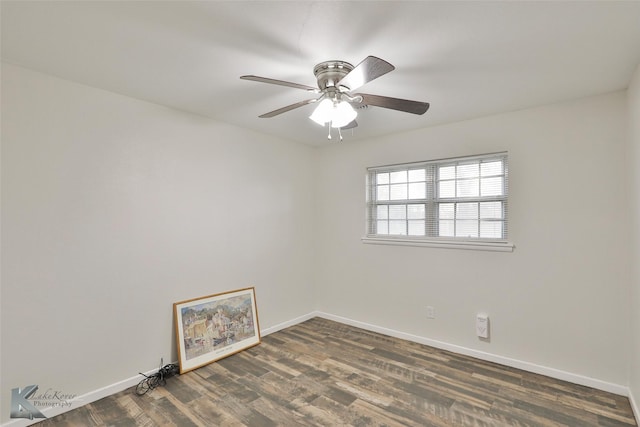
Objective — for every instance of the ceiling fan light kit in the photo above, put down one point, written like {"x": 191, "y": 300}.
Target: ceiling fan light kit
{"x": 336, "y": 79}
{"x": 337, "y": 113}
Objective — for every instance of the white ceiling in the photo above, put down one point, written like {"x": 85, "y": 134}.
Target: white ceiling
{"x": 467, "y": 59}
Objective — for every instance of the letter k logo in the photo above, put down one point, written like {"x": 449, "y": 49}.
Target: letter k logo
{"x": 20, "y": 406}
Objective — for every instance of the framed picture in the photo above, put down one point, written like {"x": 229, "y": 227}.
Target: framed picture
{"x": 216, "y": 326}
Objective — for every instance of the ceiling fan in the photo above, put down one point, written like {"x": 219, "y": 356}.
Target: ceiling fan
{"x": 336, "y": 81}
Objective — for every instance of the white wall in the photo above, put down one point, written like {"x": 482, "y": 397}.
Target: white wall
{"x": 113, "y": 209}
{"x": 560, "y": 300}
{"x": 634, "y": 156}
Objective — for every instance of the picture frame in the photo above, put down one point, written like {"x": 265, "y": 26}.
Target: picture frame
{"x": 216, "y": 326}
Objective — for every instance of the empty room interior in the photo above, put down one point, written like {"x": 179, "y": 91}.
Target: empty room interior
{"x": 460, "y": 177}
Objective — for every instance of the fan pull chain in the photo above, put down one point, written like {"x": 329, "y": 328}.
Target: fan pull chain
{"x": 339, "y": 133}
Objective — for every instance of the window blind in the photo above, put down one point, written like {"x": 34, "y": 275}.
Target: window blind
{"x": 462, "y": 198}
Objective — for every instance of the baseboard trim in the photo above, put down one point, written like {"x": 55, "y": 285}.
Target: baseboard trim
{"x": 288, "y": 323}
{"x": 514, "y": 363}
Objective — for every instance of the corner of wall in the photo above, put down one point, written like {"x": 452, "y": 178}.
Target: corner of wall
{"x": 633, "y": 97}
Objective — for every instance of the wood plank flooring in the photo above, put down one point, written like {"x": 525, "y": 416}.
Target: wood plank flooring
{"x": 323, "y": 373}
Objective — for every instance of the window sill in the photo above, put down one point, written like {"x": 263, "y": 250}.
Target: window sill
{"x": 446, "y": 244}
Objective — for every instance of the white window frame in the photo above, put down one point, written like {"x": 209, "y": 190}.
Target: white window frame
{"x": 430, "y": 220}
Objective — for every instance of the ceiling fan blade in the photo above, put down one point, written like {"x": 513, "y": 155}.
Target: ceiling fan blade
{"x": 280, "y": 83}
{"x": 414, "y": 107}
{"x": 369, "y": 69}
{"x": 351, "y": 125}
{"x": 288, "y": 108}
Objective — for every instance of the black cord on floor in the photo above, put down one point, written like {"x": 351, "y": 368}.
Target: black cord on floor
{"x": 159, "y": 378}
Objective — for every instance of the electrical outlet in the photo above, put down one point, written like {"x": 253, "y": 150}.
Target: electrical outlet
{"x": 431, "y": 312}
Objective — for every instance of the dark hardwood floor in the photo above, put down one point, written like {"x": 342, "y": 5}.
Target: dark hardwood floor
{"x": 323, "y": 373}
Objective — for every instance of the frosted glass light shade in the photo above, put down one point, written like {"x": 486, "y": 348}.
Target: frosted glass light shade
{"x": 339, "y": 114}
{"x": 343, "y": 114}
{"x": 322, "y": 113}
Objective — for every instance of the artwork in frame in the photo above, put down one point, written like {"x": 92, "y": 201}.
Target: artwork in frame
{"x": 216, "y": 326}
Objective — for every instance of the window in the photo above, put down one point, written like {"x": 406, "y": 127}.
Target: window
{"x": 459, "y": 200}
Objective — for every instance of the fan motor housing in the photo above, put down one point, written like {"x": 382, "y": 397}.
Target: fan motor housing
{"x": 329, "y": 73}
